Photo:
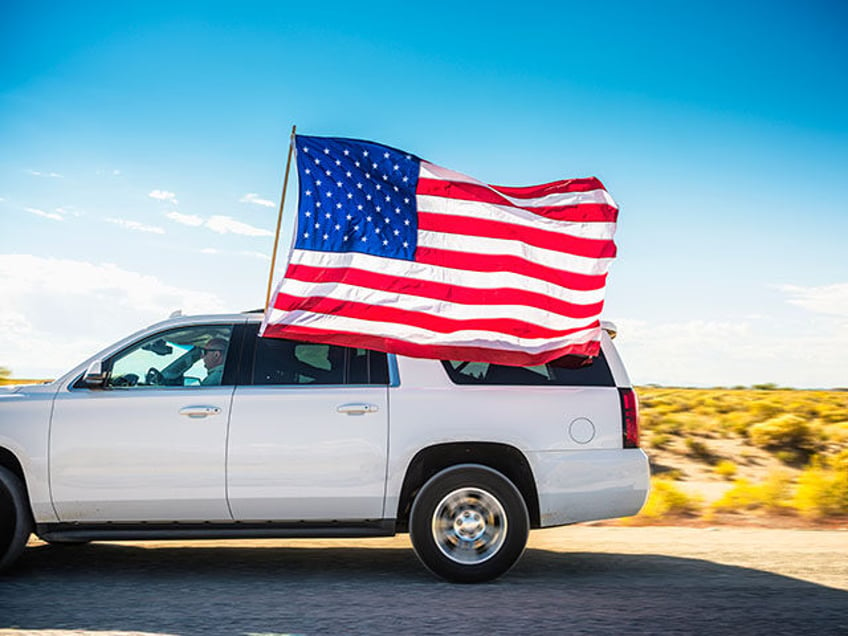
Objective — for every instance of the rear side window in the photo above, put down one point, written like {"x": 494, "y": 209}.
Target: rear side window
{"x": 563, "y": 372}
{"x": 279, "y": 361}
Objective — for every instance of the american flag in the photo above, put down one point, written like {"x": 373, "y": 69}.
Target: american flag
{"x": 397, "y": 254}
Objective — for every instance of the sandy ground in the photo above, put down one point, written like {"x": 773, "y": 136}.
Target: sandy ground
{"x": 810, "y": 555}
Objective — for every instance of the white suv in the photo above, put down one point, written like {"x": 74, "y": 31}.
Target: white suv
{"x": 197, "y": 428}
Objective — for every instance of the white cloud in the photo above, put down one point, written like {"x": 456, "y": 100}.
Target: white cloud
{"x": 228, "y": 225}
{"x": 163, "y": 195}
{"x": 52, "y": 175}
{"x": 68, "y": 211}
{"x": 252, "y": 197}
{"x": 53, "y": 216}
{"x": 185, "y": 219}
{"x": 211, "y": 251}
{"x": 729, "y": 353}
{"x": 136, "y": 226}
{"x": 219, "y": 224}
{"x": 57, "y": 312}
{"x": 260, "y": 255}
{"x": 824, "y": 299}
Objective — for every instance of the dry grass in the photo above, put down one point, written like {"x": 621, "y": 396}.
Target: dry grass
{"x": 746, "y": 453}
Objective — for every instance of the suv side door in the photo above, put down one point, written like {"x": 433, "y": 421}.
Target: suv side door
{"x": 150, "y": 444}
{"x": 308, "y": 432}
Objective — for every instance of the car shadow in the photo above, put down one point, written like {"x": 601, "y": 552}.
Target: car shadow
{"x": 374, "y": 590}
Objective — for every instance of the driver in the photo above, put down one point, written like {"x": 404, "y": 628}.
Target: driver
{"x": 214, "y": 354}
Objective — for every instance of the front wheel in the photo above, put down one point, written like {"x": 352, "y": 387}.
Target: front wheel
{"x": 469, "y": 524}
{"x": 15, "y": 519}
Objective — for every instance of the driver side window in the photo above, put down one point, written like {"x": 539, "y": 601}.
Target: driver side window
{"x": 187, "y": 356}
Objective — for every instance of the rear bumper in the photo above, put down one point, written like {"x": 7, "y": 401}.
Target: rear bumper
{"x": 589, "y": 485}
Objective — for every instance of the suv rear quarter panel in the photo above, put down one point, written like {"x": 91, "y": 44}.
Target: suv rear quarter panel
{"x": 571, "y": 436}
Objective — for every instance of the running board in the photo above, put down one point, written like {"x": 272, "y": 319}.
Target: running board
{"x": 232, "y": 530}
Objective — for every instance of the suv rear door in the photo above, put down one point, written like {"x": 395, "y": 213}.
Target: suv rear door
{"x": 308, "y": 432}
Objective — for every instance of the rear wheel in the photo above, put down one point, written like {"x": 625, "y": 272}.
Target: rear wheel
{"x": 469, "y": 524}
{"x": 15, "y": 518}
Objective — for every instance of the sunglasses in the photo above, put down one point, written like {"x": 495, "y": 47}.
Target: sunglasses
{"x": 204, "y": 350}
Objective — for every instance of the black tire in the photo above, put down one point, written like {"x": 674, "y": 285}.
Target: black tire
{"x": 469, "y": 524}
{"x": 15, "y": 518}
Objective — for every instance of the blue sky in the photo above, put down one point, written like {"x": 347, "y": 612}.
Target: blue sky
{"x": 143, "y": 149}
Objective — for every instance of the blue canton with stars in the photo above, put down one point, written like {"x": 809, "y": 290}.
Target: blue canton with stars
{"x": 356, "y": 196}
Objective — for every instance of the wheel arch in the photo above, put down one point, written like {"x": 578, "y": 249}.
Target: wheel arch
{"x": 16, "y": 522}
{"x": 506, "y": 459}
{"x": 10, "y": 461}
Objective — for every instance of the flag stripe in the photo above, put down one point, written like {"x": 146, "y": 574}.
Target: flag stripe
{"x": 470, "y": 352}
{"x": 508, "y": 329}
{"x": 460, "y": 337}
{"x": 490, "y": 273}
{"x": 577, "y": 207}
{"x": 503, "y": 247}
{"x": 555, "y": 187}
{"x": 516, "y": 216}
{"x": 508, "y": 263}
{"x": 455, "y": 300}
{"x": 432, "y": 171}
{"x": 466, "y": 226}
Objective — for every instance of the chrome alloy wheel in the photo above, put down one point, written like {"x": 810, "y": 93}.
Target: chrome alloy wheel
{"x": 469, "y": 526}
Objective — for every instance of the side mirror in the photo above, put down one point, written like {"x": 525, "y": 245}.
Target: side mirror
{"x": 95, "y": 376}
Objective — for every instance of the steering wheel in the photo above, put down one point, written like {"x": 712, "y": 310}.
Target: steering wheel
{"x": 130, "y": 379}
{"x": 154, "y": 376}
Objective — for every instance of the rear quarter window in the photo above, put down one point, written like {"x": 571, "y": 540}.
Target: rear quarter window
{"x": 562, "y": 372}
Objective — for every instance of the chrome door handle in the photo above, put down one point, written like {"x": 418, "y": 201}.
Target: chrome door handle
{"x": 199, "y": 411}
{"x": 359, "y": 408}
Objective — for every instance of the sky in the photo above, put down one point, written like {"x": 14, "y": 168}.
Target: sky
{"x": 143, "y": 147}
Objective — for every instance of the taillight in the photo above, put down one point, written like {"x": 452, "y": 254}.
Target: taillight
{"x": 629, "y": 417}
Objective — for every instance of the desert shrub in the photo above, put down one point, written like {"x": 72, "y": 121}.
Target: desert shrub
{"x": 660, "y": 440}
{"x": 786, "y": 432}
{"x": 664, "y": 472}
{"x": 794, "y": 457}
{"x": 832, "y": 413}
{"x": 667, "y": 500}
{"x": 669, "y": 426}
{"x": 647, "y": 418}
{"x": 699, "y": 450}
{"x": 689, "y": 422}
{"x": 765, "y": 409}
{"x": 737, "y": 422}
{"x": 823, "y": 488}
{"x": 726, "y": 469}
{"x": 771, "y": 495}
{"x": 840, "y": 461}
{"x": 836, "y": 433}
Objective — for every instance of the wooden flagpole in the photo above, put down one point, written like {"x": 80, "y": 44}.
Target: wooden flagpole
{"x": 279, "y": 221}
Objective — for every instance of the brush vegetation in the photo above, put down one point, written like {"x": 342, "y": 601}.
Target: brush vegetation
{"x": 720, "y": 454}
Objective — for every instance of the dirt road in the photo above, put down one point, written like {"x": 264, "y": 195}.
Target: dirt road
{"x": 589, "y": 580}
